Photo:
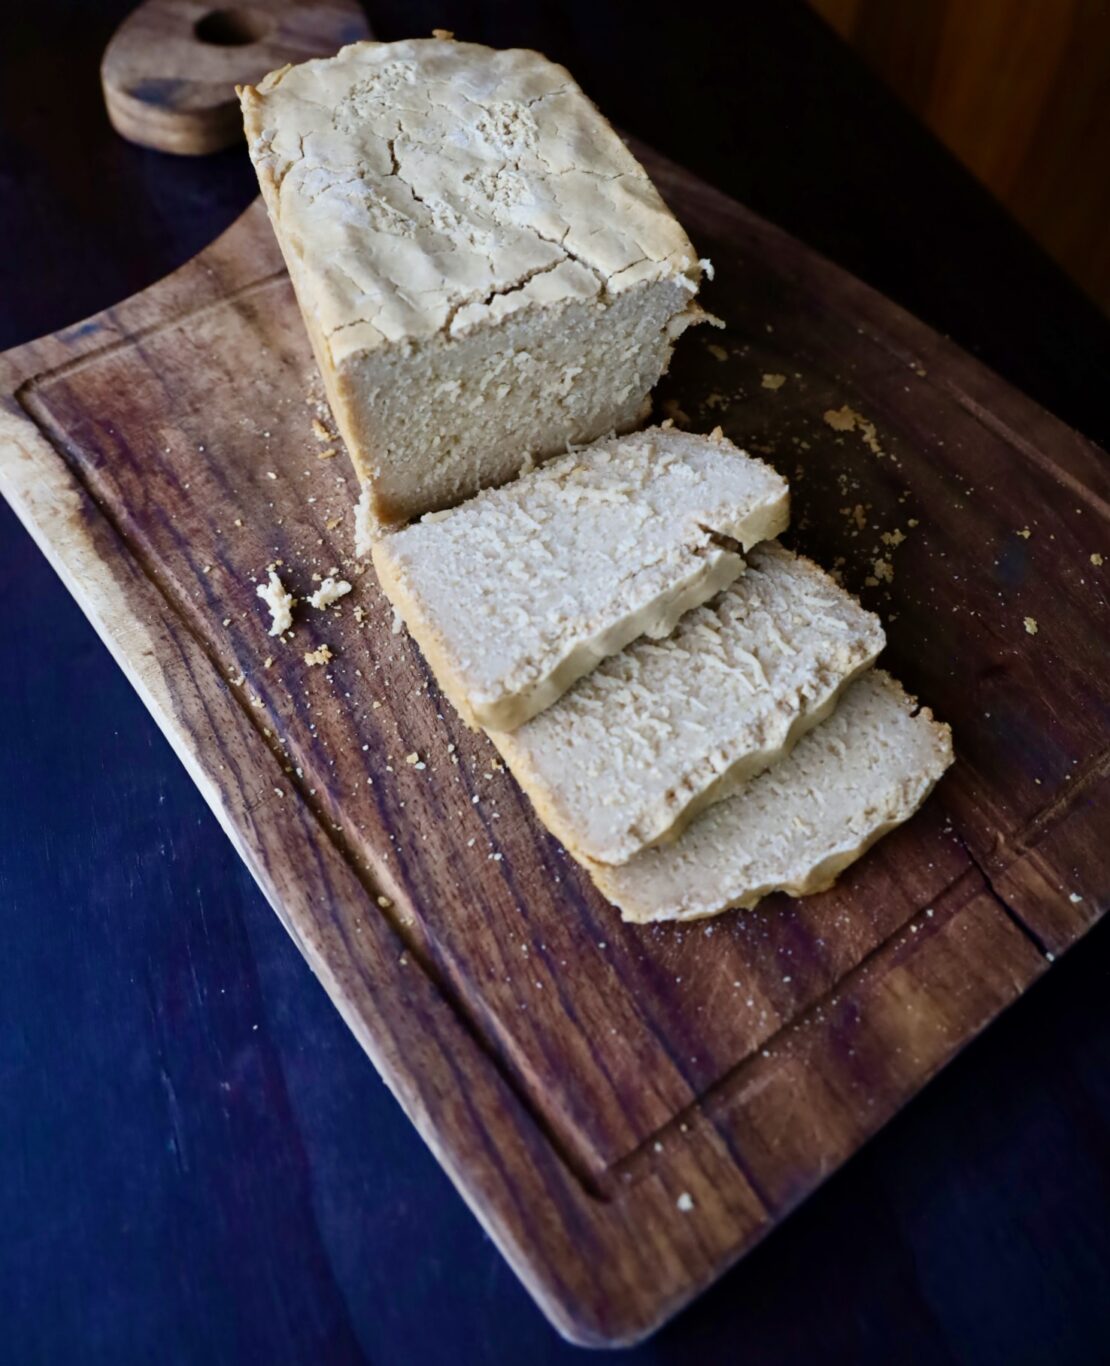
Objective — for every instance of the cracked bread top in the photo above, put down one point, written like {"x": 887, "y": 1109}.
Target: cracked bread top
{"x": 429, "y": 187}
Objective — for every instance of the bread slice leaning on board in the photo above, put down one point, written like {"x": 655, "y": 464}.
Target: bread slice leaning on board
{"x": 797, "y": 826}
{"x": 522, "y": 589}
{"x": 631, "y": 754}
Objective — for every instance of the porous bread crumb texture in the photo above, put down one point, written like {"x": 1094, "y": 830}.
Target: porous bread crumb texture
{"x": 484, "y": 269}
{"x": 517, "y": 593}
{"x": 798, "y": 825}
{"x": 430, "y": 425}
{"x": 637, "y": 748}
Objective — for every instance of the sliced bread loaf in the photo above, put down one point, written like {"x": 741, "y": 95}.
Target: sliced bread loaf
{"x": 485, "y": 271}
{"x": 639, "y": 746}
{"x": 799, "y": 824}
{"x": 516, "y": 594}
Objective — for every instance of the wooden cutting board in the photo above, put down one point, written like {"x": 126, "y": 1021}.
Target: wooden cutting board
{"x": 627, "y": 1110}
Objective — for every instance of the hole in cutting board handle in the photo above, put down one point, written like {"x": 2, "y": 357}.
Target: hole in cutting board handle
{"x": 232, "y": 27}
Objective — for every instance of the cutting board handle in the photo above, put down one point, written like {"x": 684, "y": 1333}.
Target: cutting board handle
{"x": 170, "y": 71}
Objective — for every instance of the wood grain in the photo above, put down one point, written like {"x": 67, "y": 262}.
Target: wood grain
{"x": 1019, "y": 93}
{"x": 576, "y": 1076}
{"x": 170, "y": 71}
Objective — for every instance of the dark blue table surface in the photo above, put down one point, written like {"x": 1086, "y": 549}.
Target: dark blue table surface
{"x": 198, "y": 1163}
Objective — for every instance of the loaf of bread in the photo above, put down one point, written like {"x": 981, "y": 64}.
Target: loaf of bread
{"x": 485, "y": 271}
{"x": 517, "y": 593}
{"x": 798, "y": 825}
{"x": 655, "y": 734}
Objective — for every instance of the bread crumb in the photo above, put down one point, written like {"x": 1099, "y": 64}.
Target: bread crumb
{"x": 414, "y": 759}
{"x": 1025, "y": 532}
{"x": 331, "y": 590}
{"x": 773, "y": 381}
{"x": 320, "y": 431}
{"x": 718, "y": 352}
{"x": 443, "y": 34}
{"x": 1096, "y": 559}
{"x": 238, "y": 521}
{"x": 321, "y": 655}
{"x": 685, "y": 1202}
{"x": 279, "y": 601}
{"x": 841, "y": 419}
{"x": 326, "y": 455}
{"x": 846, "y": 419}
{"x": 384, "y": 902}
{"x": 1031, "y": 625}
{"x": 270, "y": 474}
{"x": 1074, "y": 898}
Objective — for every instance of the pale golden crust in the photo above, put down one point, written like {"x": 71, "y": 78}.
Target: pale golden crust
{"x": 429, "y": 186}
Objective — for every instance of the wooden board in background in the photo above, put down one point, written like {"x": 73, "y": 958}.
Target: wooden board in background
{"x": 574, "y": 1075}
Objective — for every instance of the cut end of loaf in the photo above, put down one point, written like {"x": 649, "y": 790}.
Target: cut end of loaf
{"x": 502, "y": 397}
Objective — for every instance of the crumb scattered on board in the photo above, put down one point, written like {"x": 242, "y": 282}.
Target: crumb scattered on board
{"x": 773, "y": 381}
{"x": 321, "y": 655}
{"x": 1031, "y": 625}
{"x": 279, "y": 601}
{"x": 846, "y": 419}
{"x": 331, "y": 590}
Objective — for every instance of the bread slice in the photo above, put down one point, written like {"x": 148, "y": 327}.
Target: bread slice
{"x": 798, "y": 825}
{"x": 519, "y": 592}
{"x": 485, "y": 271}
{"x": 637, "y": 748}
